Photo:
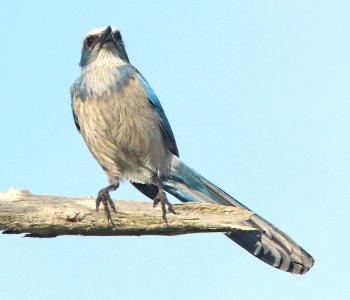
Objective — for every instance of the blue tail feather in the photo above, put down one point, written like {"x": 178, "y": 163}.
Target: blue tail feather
{"x": 267, "y": 243}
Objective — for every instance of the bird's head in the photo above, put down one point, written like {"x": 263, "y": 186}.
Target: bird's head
{"x": 103, "y": 42}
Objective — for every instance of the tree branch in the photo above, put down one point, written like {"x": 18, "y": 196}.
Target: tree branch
{"x": 47, "y": 216}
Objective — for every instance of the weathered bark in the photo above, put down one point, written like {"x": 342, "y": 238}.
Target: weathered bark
{"x": 22, "y": 212}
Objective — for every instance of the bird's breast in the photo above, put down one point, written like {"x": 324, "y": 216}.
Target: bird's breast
{"x": 121, "y": 127}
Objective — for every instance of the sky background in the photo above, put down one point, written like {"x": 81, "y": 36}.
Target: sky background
{"x": 257, "y": 93}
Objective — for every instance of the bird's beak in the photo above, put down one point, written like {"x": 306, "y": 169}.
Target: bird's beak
{"x": 107, "y": 37}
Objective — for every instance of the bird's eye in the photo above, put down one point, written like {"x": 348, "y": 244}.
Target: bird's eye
{"x": 90, "y": 41}
{"x": 117, "y": 36}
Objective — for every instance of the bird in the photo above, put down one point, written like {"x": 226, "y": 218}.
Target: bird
{"x": 125, "y": 128}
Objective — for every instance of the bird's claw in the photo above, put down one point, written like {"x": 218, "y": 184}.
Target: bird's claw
{"x": 106, "y": 200}
{"x": 166, "y": 205}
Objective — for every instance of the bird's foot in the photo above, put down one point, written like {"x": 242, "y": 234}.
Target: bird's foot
{"x": 104, "y": 198}
{"x": 166, "y": 205}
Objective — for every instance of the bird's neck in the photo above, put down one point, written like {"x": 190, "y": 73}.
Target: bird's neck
{"x": 101, "y": 77}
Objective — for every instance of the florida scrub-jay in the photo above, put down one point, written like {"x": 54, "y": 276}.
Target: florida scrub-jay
{"x": 125, "y": 128}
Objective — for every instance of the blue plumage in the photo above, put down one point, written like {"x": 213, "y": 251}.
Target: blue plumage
{"x": 165, "y": 125}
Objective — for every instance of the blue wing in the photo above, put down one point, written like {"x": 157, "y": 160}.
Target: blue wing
{"x": 76, "y": 120}
{"x": 165, "y": 125}
{"x": 72, "y": 91}
{"x": 150, "y": 190}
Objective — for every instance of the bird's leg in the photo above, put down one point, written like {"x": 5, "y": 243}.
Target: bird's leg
{"x": 162, "y": 198}
{"x": 104, "y": 198}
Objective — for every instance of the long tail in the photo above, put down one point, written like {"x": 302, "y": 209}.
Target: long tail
{"x": 267, "y": 243}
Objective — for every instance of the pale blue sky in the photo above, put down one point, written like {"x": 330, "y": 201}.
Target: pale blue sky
{"x": 257, "y": 93}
